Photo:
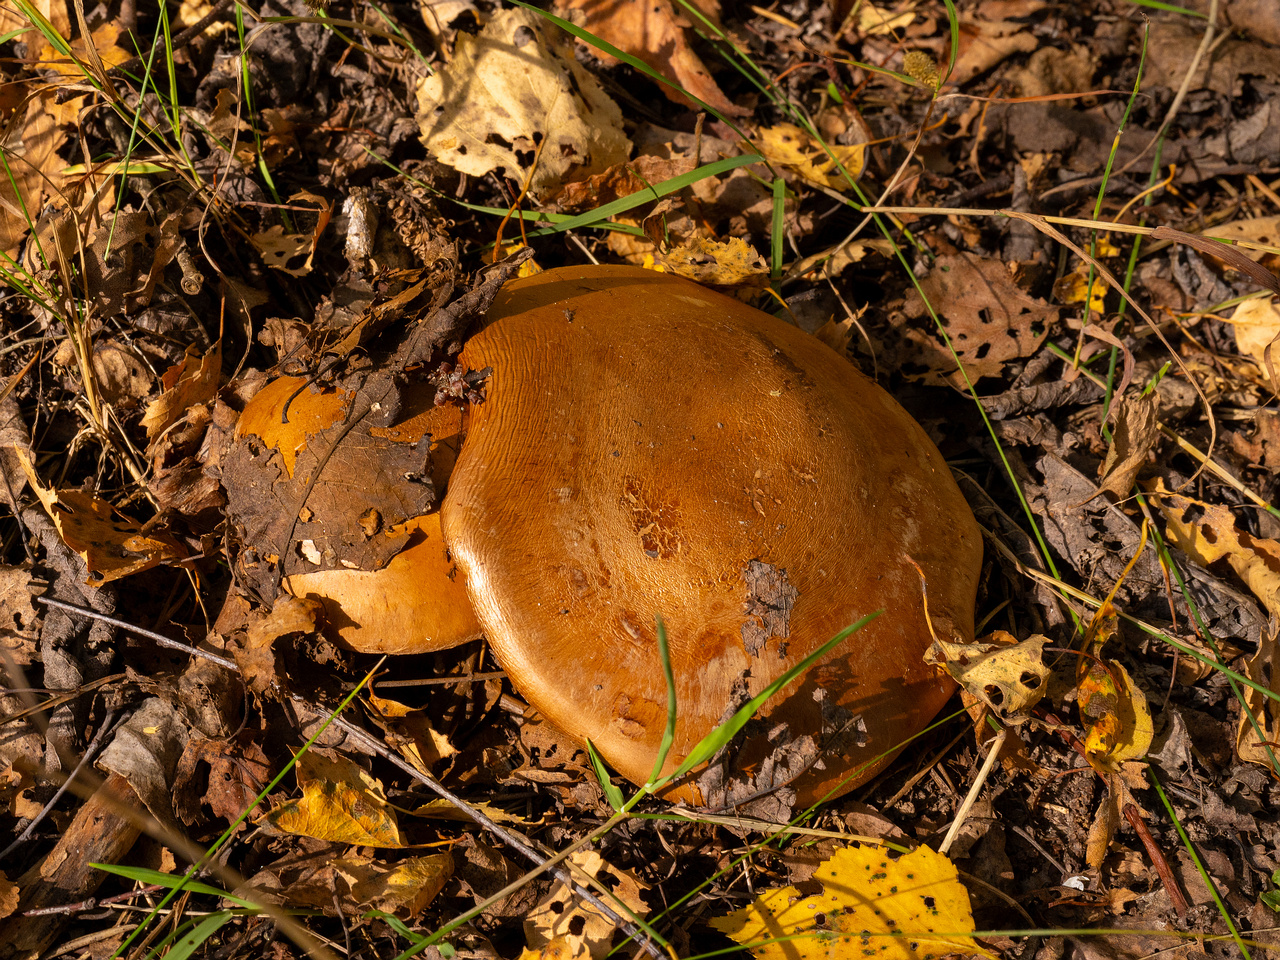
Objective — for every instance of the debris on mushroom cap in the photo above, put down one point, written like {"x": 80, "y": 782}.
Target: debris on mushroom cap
{"x": 367, "y": 543}
{"x": 648, "y": 447}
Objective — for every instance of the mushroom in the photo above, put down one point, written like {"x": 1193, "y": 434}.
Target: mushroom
{"x": 646, "y": 448}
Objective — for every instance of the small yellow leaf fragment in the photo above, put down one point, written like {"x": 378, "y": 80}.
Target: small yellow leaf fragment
{"x": 790, "y": 146}
{"x": 872, "y": 905}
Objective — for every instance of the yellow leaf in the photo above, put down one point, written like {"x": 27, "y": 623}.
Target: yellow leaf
{"x": 404, "y": 887}
{"x": 1263, "y": 667}
{"x": 790, "y": 146}
{"x": 1076, "y": 288}
{"x": 726, "y": 263}
{"x": 586, "y": 931}
{"x": 339, "y": 813}
{"x": 1208, "y": 533}
{"x": 1007, "y": 675}
{"x": 909, "y": 908}
{"x": 558, "y": 949}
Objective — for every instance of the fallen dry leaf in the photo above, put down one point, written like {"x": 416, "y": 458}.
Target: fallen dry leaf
{"x": 717, "y": 263}
{"x": 1008, "y": 675}
{"x": 514, "y": 98}
{"x": 989, "y": 318}
{"x": 563, "y": 914}
{"x": 795, "y": 148}
{"x": 985, "y": 43}
{"x": 1263, "y": 668}
{"x": 111, "y": 544}
{"x": 1134, "y": 435}
{"x": 653, "y": 33}
{"x": 404, "y": 887}
{"x": 338, "y": 813}
{"x": 194, "y": 380}
{"x": 871, "y": 905}
{"x": 1256, "y": 324}
{"x": 1208, "y": 533}
{"x": 410, "y": 733}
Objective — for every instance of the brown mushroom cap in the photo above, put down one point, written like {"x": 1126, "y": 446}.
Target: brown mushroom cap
{"x": 648, "y": 447}
{"x": 415, "y": 603}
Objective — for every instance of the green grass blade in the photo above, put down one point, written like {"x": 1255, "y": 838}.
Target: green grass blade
{"x": 187, "y": 945}
{"x": 171, "y": 881}
{"x": 669, "y": 731}
{"x": 611, "y": 791}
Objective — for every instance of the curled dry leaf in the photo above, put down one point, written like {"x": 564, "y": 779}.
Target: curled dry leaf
{"x": 194, "y": 380}
{"x": 653, "y": 33}
{"x": 514, "y": 98}
{"x": 1112, "y": 707}
{"x": 1257, "y": 744}
{"x": 1134, "y": 436}
{"x": 410, "y": 733}
{"x": 1256, "y": 324}
{"x": 111, "y": 544}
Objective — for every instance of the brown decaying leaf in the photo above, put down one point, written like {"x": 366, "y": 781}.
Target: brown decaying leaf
{"x": 514, "y": 98}
{"x": 653, "y": 33}
{"x": 194, "y": 380}
{"x": 237, "y": 772}
{"x": 255, "y": 655}
{"x": 985, "y": 43}
{"x": 989, "y": 318}
{"x": 1134, "y": 435}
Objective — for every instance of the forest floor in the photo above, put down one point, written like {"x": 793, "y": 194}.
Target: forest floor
{"x": 198, "y": 198}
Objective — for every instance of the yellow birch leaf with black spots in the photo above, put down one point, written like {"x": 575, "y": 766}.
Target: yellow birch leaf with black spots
{"x": 339, "y": 813}
{"x": 872, "y": 905}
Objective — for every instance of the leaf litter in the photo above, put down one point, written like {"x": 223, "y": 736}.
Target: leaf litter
{"x": 332, "y": 226}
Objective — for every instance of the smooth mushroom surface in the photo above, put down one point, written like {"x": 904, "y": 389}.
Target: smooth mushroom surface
{"x": 648, "y": 447}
